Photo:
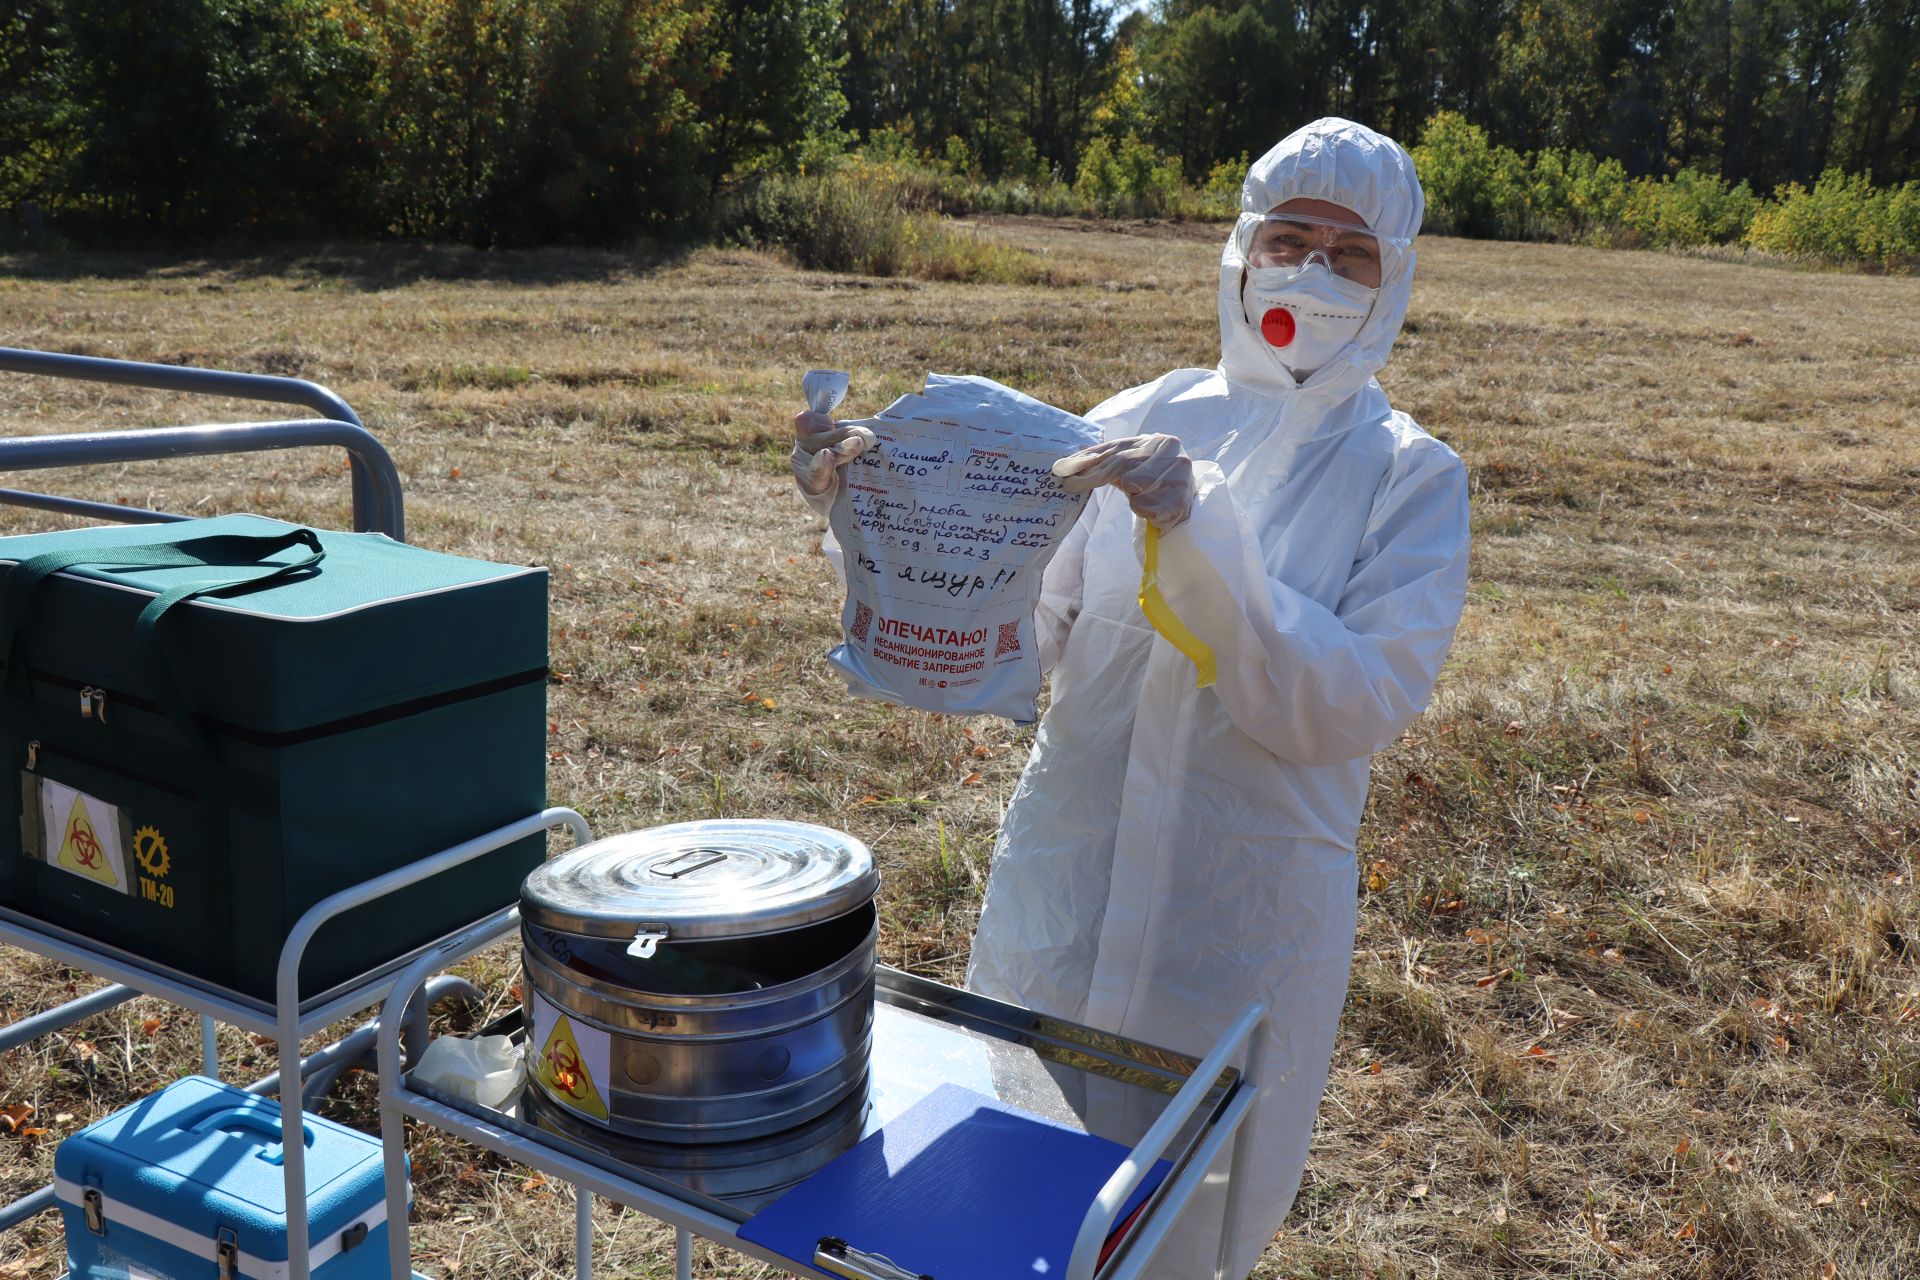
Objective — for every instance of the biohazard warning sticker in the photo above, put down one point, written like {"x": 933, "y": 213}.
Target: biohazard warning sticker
{"x": 83, "y": 835}
{"x": 572, "y": 1059}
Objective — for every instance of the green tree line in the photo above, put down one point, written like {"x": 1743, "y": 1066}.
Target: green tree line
{"x": 493, "y": 121}
{"x": 521, "y": 121}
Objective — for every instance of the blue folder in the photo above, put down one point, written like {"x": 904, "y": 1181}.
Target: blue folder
{"x": 958, "y": 1187}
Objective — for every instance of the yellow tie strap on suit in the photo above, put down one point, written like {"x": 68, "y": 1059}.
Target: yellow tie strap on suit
{"x": 1165, "y": 620}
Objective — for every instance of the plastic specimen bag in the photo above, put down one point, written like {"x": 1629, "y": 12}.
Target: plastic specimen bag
{"x": 946, "y": 525}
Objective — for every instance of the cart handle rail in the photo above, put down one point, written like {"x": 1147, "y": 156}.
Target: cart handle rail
{"x": 287, "y": 987}
{"x": 1248, "y": 1030}
{"x": 377, "y": 502}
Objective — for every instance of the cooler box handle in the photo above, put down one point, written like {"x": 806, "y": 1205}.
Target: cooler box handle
{"x": 253, "y": 1120}
{"x": 214, "y": 550}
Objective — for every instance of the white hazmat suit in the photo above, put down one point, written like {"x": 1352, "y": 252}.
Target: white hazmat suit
{"x": 1173, "y": 852}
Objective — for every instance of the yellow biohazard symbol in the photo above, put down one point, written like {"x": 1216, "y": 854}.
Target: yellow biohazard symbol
{"x": 151, "y": 849}
{"x": 564, "y": 1074}
{"x": 80, "y": 848}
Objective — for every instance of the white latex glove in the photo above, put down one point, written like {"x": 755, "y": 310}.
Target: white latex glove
{"x": 820, "y": 445}
{"x": 1152, "y": 471}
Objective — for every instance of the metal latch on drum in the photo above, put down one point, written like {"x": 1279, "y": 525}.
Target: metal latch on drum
{"x": 644, "y": 942}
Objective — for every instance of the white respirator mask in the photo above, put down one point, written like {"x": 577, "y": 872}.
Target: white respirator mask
{"x": 1304, "y": 315}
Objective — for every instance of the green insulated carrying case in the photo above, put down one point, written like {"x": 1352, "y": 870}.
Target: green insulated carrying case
{"x": 210, "y": 726}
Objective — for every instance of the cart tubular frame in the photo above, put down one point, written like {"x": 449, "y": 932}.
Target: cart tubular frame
{"x": 398, "y": 1103}
{"x": 377, "y": 503}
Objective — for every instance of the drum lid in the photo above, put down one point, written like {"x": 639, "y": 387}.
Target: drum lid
{"x": 692, "y": 880}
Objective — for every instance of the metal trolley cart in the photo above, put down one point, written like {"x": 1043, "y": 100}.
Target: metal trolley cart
{"x": 1169, "y": 1106}
{"x": 377, "y": 507}
{"x": 1161, "y": 1104}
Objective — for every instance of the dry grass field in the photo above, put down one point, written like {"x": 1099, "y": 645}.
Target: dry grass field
{"x": 1637, "y": 991}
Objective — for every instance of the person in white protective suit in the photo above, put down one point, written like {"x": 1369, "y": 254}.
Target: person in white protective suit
{"x": 1174, "y": 852}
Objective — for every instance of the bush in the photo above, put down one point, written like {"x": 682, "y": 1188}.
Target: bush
{"x": 1132, "y": 181}
{"x": 843, "y": 221}
{"x": 1098, "y": 181}
{"x": 1596, "y": 195}
{"x": 1220, "y": 197}
{"x": 1455, "y": 164}
{"x": 1688, "y": 210}
{"x": 1576, "y": 196}
{"x": 1843, "y": 218}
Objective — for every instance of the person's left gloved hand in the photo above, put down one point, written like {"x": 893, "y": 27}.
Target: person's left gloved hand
{"x": 1152, "y": 471}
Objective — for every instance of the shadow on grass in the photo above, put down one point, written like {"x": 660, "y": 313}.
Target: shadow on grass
{"x": 367, "y": 267}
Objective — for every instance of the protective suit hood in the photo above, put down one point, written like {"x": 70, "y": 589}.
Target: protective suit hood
{"x": 1354, "y": 167}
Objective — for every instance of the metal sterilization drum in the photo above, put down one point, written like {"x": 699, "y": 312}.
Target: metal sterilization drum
{"x": 706, "y": 982}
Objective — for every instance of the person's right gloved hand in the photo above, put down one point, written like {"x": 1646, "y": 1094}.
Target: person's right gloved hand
{"x": 819, "y": 446}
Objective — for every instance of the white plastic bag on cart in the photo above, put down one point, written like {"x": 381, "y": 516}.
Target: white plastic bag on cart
{"x": 946, "y": 524}
{"x": 487, "y": 1070}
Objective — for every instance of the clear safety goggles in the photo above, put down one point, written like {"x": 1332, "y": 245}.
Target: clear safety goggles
{"x": 1350, "y": 249}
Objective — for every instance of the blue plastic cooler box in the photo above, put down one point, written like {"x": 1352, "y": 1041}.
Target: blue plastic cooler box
{"x": 162, "y": 1189}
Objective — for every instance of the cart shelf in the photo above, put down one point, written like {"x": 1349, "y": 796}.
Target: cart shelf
{"x": 1159, "y": 1103}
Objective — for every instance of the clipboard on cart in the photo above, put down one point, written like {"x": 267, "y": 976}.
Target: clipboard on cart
{"x": 958, "y": 1187}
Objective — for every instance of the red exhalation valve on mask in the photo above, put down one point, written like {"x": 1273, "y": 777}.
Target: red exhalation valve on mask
{"x": 1277, "y": 326}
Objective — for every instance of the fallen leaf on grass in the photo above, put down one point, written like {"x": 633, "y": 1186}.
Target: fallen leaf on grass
{"x": 1499, "y": 1215}
{"x": 1418, "y": 1191}
{"x": 25, "y": 1265}
{"x": 1684, "y": 1233}
{"x": 1683, "y": 1146}
{"x": 150, "y": 1026}
{"x": 1492, "y": 978}
{"x": 970, "y": 779}
{"x": 1824, "y": 1199}
{"x": 16, "y": 1115}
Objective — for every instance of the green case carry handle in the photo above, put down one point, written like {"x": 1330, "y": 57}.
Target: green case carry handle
{"x": 227, "y": 550}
